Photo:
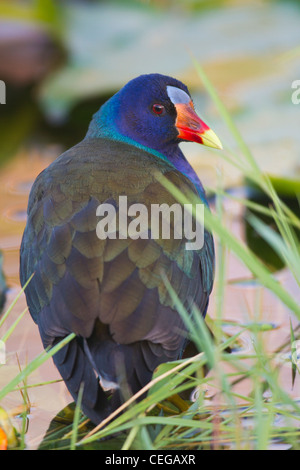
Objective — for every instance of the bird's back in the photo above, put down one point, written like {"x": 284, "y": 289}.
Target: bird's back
{"x": 110, "y": 292}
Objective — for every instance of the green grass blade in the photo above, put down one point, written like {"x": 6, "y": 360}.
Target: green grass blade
{"x": 293, "y": 353}
{"x": 76, "y": 419}
{"x": 224, "y": 113}
{"x": 33, "y": 365}
{"x": 13, "y": 326}
{"x": 8, "y": 311}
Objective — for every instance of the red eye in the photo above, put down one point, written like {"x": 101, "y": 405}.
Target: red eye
{"x": 158, "y": 108}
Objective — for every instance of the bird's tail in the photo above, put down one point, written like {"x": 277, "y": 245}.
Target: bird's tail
{"x": 75, "y": 369}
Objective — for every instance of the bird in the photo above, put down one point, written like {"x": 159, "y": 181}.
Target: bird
{"x": 111, "y": 292}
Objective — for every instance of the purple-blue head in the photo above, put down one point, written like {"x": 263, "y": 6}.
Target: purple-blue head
{"x": 155, "y": 111}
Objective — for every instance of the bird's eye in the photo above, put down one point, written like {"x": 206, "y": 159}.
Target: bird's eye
{"x": 158, "y": 108}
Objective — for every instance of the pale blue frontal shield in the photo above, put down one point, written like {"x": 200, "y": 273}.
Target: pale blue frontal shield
{"x": 177, "y": 95}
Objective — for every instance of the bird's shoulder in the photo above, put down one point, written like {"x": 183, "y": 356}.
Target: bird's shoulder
{"x": 99, "y": 161}
{"x": 102, "y": 169}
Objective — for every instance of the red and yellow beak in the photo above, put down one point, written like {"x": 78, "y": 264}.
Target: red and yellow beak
{"x": 190, "y": 127}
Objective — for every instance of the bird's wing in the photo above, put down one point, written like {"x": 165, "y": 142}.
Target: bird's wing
{"x": 110, "y": 292}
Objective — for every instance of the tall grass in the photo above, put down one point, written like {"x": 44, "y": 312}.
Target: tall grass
{"x": 163, "y": 420}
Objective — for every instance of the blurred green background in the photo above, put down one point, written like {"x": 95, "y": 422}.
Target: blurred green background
{"x": 60, "y": 60}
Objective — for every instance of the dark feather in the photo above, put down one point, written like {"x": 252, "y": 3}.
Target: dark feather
{"x": 109, "y": 292}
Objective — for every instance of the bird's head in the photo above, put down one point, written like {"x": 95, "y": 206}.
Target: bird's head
{"x": 156, "y": 111}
